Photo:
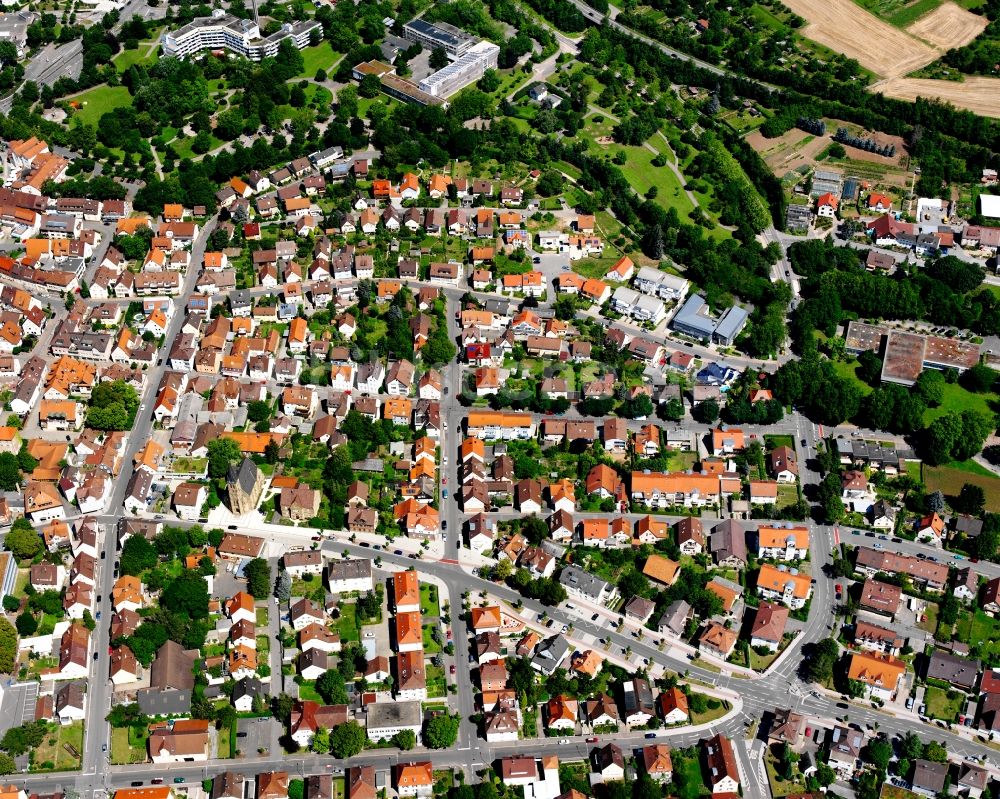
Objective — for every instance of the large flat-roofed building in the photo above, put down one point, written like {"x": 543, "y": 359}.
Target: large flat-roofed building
{"x": 694, "y": 318}
{"x": 407, "y": 91}
{"x": 903, "y": 361}
{"x": 466, "y": 69}
{"x": 906, "y": 355}
{"x": 385, "y": 719}
{"x": 454, "y": 41}
{"x": 393, "y": 85}
{"x": 223, "y": 31}
{"x": 863, "y": 338}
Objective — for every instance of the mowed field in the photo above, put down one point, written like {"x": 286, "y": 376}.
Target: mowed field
{"x": 979, "y": 95}
{"x": 948, "y": 26}
{"x": 949, "y": 481}
{"x": 847, "y": 28}
{"x": 892, "y": 53}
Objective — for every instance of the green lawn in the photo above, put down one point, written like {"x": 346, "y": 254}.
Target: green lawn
{"x": 321, "y": 56}
{"x": 766, "y": 18}
{"x": 594, "y": 267}
{"x": 939, "y": 706}
{"x": 312, "y": 588}
{"x": 190, "y": 465}
{"x": 957, "y": 399}
{"x": 688, "y": 780}
{"x": 436, "y": 685}
{"x": 931, "y": 611}
{"x": 642, "y": 175}
{"x": 98, "y": 101}
{"x": 950, "y": 478}
{"x": 307, "y": 692}
{"x": 780, "y": 787}
{"x": 681, "y": 461}
{"x": 183, "y": 146}
{"x": 849, "y": 371}
{"x": 429, "y": 602}
{"x": 912, "y": 12}
{"x": 431, "y": 646}
{"x": 126, "y": 747}
{"x": 52, "y": 755}
{"x": 141, "y": 55}
{"x": 981, "y": 633}
{"x": 347, "y": 624}
{"x": 713, "y": 713}
{"x": 899, "y": 12}
{"x": 787, "y": 495}
{"x": 225, "y": 743}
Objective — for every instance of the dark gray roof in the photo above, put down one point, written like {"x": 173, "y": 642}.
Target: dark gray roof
{"x": 729, "y": 541}
{"x": 550, "y": 654}
{"x": 929, "y": 776}
{"x": 961, "y": 672}
{"x": 394, "y": 714}
{"x": 248, "y": 686}
{"x": 576, "y": 578}
{"x": 245, "y": 475}
{"x": 153, "y": 702}
{"x": 350, "y": 569}
{"x": 70, "y": 695}
{"x": 675, "y": 617}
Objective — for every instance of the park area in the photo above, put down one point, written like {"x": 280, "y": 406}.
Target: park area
{"x": 321, "y": 56}
{"x": 95, "y": 103}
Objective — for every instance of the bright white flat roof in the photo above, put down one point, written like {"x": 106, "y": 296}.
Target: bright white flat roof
{"x": 989, "y": 205}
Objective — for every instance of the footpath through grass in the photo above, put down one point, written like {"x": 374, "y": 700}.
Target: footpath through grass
{"x": 321, "y": 56}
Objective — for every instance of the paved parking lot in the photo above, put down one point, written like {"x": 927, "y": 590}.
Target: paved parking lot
{"x": 253, "y": 734}
{"x": 17, "y": 705}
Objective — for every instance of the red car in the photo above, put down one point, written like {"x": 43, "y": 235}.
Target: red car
{"x": 592, "y": 740}
{"x": 452, "y": 669}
